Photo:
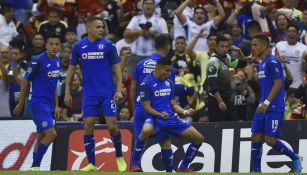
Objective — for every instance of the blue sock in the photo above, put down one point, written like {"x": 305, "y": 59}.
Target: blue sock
{"x": 89, "y": 145}
{"x": 137, "y": 152}
{"x": 189, "y": 155}
{"x": 117, "y": 142}
{"x": 167, "y": 157}
{"x": 279, "y": 146}
{"x": 38, "y": 156}
{"x": 256, "y": 156}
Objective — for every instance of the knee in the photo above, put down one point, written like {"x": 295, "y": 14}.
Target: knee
{"x": 256, "y": 138}
{"x": 200, "y": 140}
{"x": 113, "y": 129}
{"x": 147, "y": 132}
{"x": 51, "y": 135}
{"x": 270, "y": 141}
{"x": 89, "y": 128}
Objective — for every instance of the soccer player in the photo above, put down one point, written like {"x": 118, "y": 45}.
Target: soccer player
{"x": 97, "y": 57}
{"x": 144, "y": 68}
{"x": 43, "y": 73}
{"x": 158, "y": 100}
{"x": 267, "y": 121}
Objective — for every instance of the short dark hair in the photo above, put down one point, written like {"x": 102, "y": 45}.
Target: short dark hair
{"x": 5, "y": 7}
{"x": 164, "y": 62}
{"x": 294, "y": 26}
{"x": 254, "y": 25}
{"x": 181, "y": 37}
{"x": 212, "y": 34}
{"x": 53, "y": 36}
{"x": 221, "y": 38}
{"x": 262, "y": 38}
{"x": 199, "y": 7}
{"x": 161, "y": 41}
{"x": 93, "y": 18}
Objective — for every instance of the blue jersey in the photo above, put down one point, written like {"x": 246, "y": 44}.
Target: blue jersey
{"x": 143, "y": 69}
{"x": 96, "y": 60}
{"x": 43, "y": 73}
{"x": 159, "y": 93}
{"x": 271, "y": 69}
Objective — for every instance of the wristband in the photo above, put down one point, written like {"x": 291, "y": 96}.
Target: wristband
{"x": 266, "y": 102}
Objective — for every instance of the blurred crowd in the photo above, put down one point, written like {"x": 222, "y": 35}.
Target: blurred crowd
{"x": 132, "y": 25}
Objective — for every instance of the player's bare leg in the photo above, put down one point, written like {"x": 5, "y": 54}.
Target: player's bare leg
{"x": 116, "y": 139}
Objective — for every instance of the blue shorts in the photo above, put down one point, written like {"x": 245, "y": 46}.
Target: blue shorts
{"x": 268, "y": 124}
{"x": 92, "y": 106}
{"x": 139, "y": 120}
{"x": 171, "y": 126}
{"x": 42, "y": 116}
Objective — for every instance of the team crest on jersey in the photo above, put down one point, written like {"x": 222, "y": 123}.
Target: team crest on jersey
{"x": 44, "y": 124}
{"x": 167, "y": 83}
{"x": 142, "y": 94}
{"x": 100, "y": 46}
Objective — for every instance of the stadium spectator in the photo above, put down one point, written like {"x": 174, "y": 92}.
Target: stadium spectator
{"x": 4, "y": 84}
{"x": 294, "y": 54}
{"x": 142, "y": 29}
{"x": 199, "y": 22}
{"x": 54, "y": 25}
{"x": 7, "y": 26}
{"x": 71, "y": 36}
{"x": 124, "y": 114}
{"x": 38, "y": 47}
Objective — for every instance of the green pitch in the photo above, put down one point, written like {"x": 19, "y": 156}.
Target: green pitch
{"x": 111, "y": 173}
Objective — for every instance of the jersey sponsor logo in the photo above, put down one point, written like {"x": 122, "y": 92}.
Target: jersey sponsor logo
{"x": 261, "y": 74}
{"x": 149, "y": 66}
{"x": 54, "y": 73}
{"x": 93, "y": 55}
{"x": 162, "y": 92}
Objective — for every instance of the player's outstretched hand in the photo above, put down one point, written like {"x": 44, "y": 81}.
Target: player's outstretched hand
{"x": 68, "y": 99}
{"x": 164, "y": 115}
{"x": 18, "y": 109}
{"x": 262, "y": 108}
{"x": 118, "y": 96}
{"x": 189, "y": 112}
